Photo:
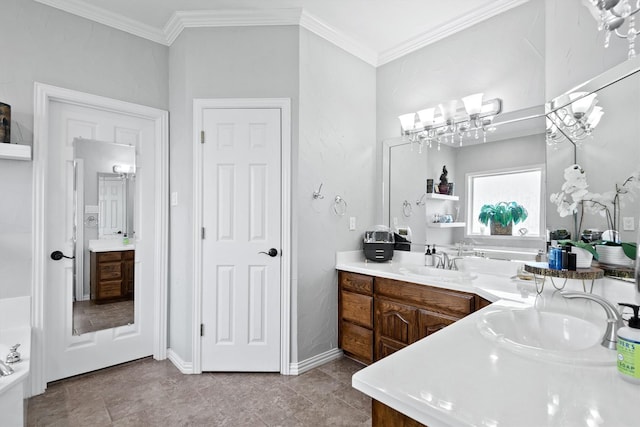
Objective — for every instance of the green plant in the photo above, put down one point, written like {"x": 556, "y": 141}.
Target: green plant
{"x": 629, "y": 249}
{"x": 503, "y": 213}
{"x": 589, "y": 247}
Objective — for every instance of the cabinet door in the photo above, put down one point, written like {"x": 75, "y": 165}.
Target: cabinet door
{"x": 127, "y": 280}
{"x": 396, "y": 326}
{"x": 430, "y": 322}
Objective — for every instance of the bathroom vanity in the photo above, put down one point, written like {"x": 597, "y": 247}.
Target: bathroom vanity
{"x": 112, "y": 276}
{"x": 520, "y": 360}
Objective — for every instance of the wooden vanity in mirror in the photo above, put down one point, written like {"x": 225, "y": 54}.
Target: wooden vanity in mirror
{"x": 112, "y": 276}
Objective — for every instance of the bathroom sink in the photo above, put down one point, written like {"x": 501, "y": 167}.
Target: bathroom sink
{"x": 437, "y": 274}
{"x": 545, "y": 335}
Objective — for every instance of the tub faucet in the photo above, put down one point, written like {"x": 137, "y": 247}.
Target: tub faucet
{"x": 5, "y": 370}
{"x": 614, "y": 319}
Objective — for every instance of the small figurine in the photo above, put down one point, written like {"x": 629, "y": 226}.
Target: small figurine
{"x": 443, "y": 187}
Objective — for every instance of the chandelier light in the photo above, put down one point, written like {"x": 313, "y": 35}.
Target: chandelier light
{"x": 573, "y": 116}
{"x": 612, "y": 15}
{"x": 450, "y": 122}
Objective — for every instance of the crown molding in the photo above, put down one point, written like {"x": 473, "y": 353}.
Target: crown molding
{"x": 454, "y": 26}
{"x": 110, "y": 19}
{"x": 228, "y": 18}
{"x": 338, "y": 38}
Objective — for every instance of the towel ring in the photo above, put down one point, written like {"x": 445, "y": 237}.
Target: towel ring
{"x": 407, "y": 209}
{"x": 339, "y": 206}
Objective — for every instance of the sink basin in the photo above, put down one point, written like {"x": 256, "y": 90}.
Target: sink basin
{"x": 437, "y": 274}
{"x": 551, "y": 336}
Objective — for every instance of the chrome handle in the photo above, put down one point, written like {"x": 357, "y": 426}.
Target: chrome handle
{"x": 58, "y": 255}
{"x": 272, "y": 252}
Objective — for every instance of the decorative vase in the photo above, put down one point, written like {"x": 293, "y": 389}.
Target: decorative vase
{"x": 443, "y": 188}
{"x": 498, "y": 229}
{"x": 583, "y": 257}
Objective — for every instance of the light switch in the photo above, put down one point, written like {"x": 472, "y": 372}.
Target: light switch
{"x": 352, "y": 223}
{"x": 174, "y": 198}
{"x": 628, "y": 223}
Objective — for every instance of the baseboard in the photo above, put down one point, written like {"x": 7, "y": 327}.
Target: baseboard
{"x": 184, "y": 367}
{"x": 315, "y": 361}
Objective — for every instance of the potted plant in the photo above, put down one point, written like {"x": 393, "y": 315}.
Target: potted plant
{"x": 502, "y": 216}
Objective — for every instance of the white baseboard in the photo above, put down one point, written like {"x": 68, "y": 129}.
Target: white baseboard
{"x": 315, "y": 361}
{"x": 184, "y": 367}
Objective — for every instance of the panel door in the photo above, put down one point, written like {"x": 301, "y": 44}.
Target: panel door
{"x": 241, "y": 218}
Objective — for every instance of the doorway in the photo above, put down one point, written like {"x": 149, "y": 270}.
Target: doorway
{"x": 57, "y": 352}
{"x": 242, "y": 230}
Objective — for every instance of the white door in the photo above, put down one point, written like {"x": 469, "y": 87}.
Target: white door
{"x": 241, "y": 219}
{"x": 111, "y": 206}
{"x": 66, "y": 354}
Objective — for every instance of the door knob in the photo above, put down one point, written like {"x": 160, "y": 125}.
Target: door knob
{"x": 58, "y": 255}
{"x": 272, "y": 252}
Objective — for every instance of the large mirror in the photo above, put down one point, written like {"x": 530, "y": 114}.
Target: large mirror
{"x": 596, "y": 126}
{"x": 516, "y": 141}
{"x": 104, "y": 235}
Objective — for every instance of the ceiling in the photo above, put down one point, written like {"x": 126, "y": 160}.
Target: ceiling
{"x": 378, "y": 31}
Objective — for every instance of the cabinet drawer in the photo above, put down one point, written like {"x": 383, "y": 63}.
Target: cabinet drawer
{"x": 110, "y": 289}
{"x": 354, "y": 282}
{"x": 109, "y": 256}
{"x": 357, "y": 308}
{"x": 435, "y": 299}
{"x": 110, "y": 270}
{"x": 357, "y": 341}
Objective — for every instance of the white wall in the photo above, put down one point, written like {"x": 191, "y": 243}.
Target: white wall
{"x": 503, "y": 57}
{"x": 231, "y": 62}
{"x": 50, "y": 46}
{"x": 337, "y": 147}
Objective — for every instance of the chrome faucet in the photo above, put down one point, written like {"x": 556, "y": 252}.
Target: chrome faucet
{"x": 5, "y": 370}
{"x": 614, "y": 319}
{"x": 445, "y": 262}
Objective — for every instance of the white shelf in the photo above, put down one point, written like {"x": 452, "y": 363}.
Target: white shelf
{"x": 15, "y": 151}
{"x": 446, "y": 224}
{"x": 438, "y": 196}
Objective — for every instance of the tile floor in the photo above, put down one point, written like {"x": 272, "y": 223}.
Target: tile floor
{"x": 90, "y": 317}
{"x": 152, "y": 393}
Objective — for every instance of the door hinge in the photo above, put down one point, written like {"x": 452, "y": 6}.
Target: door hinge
{"x": 203, "y": 232}
{"x": 201, "y": 137}
{"x": 201, "y": 329}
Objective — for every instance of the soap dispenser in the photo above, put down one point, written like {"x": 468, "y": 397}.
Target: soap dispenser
{"x": 428, "y": 259}
{"x": 629, "y": 347}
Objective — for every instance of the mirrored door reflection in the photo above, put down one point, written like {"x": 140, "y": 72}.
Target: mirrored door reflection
{"x": 104, "y": 188}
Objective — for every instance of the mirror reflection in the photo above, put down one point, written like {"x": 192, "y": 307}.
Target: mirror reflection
{"x": 607, "y": 163}
{"x": 412, "y": 178}
{"x": 104, "y": 248}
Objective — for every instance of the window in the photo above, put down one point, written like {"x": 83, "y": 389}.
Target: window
{"x": 523, "y": 186}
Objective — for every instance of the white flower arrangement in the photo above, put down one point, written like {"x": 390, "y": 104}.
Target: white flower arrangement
{"x": 574, "y": 196}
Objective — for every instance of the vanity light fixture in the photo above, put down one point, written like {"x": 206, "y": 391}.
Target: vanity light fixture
{"x": 124, "y": 169}
{"x": 611, "y": 16}
{"x": 451, "y": 122}
{"x": 573, "y": 117}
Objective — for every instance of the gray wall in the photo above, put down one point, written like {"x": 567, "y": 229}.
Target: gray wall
{"x": 337, "y": 148}
{"x": 243, "y": 62}
{"x": 53, "y": 47}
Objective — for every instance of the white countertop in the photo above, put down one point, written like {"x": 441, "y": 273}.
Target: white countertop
{"x": 109, "y": 245}
{"x": 458, "y": 377}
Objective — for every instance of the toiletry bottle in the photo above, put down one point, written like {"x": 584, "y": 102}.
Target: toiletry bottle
{"x": 125, "y": 239}
{"x": 428, "y": 259}
{"x": 434, "y": 258}
{"x": 629, "y": 347}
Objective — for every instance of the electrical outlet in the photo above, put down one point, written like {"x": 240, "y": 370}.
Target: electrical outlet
{"x": 628, "y": 223}
{"x": 352, "y": 223}
{"x": 174, "y": 199}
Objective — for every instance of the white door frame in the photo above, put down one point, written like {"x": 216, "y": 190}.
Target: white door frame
{"x": 284, "y": 104}
{"x": 44, "y": 95}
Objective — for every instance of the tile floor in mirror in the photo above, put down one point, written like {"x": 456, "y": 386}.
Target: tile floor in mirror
{"x": 154, "y": 393}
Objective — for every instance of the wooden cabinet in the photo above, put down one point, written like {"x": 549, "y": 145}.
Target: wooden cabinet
{"x": 355, "y": 308}
{"x": 384, "y": 416}
{"x": 112, "y": 276}
{"x": 379, "y": 316}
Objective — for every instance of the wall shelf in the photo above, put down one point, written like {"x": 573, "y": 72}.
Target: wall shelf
{"x": 15, "y": 151}
{"x": 438, "y": 196}
{"x": 445, "y": 224}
